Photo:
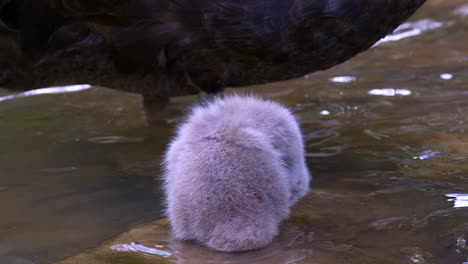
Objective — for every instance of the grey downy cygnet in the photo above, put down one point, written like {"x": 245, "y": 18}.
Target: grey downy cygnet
{"x": 232, "y": 171}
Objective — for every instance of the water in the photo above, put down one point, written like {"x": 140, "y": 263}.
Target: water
{"x": 387, "y": 143}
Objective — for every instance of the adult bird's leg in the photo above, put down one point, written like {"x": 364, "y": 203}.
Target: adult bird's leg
{"x": 158, "y": 108}
{"x": 153, "y": 107}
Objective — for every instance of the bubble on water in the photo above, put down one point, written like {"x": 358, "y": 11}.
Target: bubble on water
{"x": 324, "y": 112}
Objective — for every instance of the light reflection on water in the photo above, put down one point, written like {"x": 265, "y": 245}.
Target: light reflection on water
{"x": 49, "y": 90}
{"x": 343, "y": 79}
{"x": 135, "y": 247}
{"x": 446, "y": 76}
{"x": 460, "y": 199}
{"x": 462, "y": 10}
{"x": 390, "y": 92}
{"x": 411, "y": 29}
{"x": 426, "y": 154}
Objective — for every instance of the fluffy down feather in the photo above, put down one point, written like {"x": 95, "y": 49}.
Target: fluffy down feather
{"x": 233, "y": 170}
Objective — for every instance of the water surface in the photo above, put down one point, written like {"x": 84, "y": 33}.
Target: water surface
{"x": 387, "y": 143}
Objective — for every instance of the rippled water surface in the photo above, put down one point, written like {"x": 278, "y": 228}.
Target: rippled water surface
{"x": 387, "y": 144}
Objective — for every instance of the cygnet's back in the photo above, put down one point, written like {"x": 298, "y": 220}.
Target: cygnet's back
{"x": 232, "y": 171}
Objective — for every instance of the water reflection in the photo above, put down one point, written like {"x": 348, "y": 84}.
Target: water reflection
{"x": 58, "y": 170}
{"x": 135, "y": 247}
{"x": 446, "y": 76}
{"x": 390, "y": 92}
{"x": 411, "y": 29}
{"x": 459, "y": 199}
{"x": 115, "y": 139}
{"x": 49, "y": 90}
{"x": 343, "y": 79}
{"x": 462, "y": 10}
{"x": 281, "y": 253}
{"x": 326, "y": 152}
{"x": 426, "y": 154}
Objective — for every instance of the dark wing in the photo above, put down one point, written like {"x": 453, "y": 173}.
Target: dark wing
{"x": 253, "y": 41}
{"x": 340, "y": 29}
{"x": 3, "y": 2}
{"x": 211, "y": 43}
{"x": 243, "y": 42}
{"x": 84, "y": 8}
{"x": 36, "y": 20}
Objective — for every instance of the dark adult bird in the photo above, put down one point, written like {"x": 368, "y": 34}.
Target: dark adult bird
{"x": 179, "y": 47}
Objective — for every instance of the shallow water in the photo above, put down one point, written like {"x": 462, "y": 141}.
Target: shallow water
{"x": 387, "y": 143}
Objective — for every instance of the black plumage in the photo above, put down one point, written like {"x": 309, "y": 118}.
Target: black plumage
{"x": 177, "y": 47}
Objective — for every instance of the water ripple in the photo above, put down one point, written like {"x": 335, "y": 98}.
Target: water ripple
{"x": 58, "y": 170}
{"x": 426, "y": 154}
{"x": 326, "y": 152}
{"x": 460, "y": 199}
{"x": 320, "y": 136}
{"x": 115, "y": 139}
